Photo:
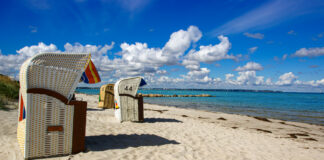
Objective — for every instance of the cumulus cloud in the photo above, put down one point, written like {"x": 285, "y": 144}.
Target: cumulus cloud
{"x": 208, "y": 54}
{"x": 250, "y": 66}
{"x": 35, "y": 49}
{"x": 138, "y": 58}
{"x": 180, "y": 41}
{"x": 309, "y": 52}
{"x": 161, "y": 72}
{"x": 202, "y": 72}
{"x": 13, "y": 61}
{"x": 191, "y": 64}
{"x": 93, "y": 49}
{"x": 254, "y": 35}
{"x": 245, "y": 78}
{"x": 249, "y": 78}
{"x": 313, "y": 83}
{"x": 286, "y": 79}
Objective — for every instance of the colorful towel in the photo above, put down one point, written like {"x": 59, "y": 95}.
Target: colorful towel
{"x": 90, "y": 75}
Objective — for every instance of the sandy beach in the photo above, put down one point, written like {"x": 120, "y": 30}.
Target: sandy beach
{"x": 176, "y": 133}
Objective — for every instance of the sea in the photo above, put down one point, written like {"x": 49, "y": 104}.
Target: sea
{"x": 299, "y": 107}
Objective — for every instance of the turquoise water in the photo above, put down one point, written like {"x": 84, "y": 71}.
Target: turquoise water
{"x": 300, "y": 107}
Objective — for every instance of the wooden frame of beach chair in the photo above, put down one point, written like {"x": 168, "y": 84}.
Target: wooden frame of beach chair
{"x": 128, "y": 105}
{"x": 106, "y": 97}
{"x": 50, "y": 122}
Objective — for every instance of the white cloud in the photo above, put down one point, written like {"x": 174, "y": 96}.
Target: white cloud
{"x": 208, "y": 54}
{"x": 191, "y": 64}
{"x": 313, "y": 83}
{"x": 97, "y": 52}
{"x": 310, "y": 52}
{"x": 165, "y": 79}
{"x": 180, "y": 41}
{"x": 250, "y": 66}
{"x": 254, "y": 35}
{"x": 138, "y": 58}
{"x": 268, "y": 82}
{"x": 13, "y": 61}
{"x": 286, "y": 79}
{"x": 253, "y": 49}
{"x": 249, "y": 78}
{"x": 245, "y": 78}
{"x": 202, "y": 72}
{"x": 35, "y": 49}
{"x": 320, "y": 82}
{"x": 161, "y": 72}
{"x": 229, "y": 76}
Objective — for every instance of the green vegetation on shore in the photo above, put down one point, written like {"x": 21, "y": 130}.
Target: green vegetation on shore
{"x": 9, "y": 90}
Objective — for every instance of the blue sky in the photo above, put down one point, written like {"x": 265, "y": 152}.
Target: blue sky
{"x": 226, "y": 44}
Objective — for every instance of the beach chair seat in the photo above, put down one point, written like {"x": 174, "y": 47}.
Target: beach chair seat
{"x": 50, "y": 123}
{"x": 128, "y": 104}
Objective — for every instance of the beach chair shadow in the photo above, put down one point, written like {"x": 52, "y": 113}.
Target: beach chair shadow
{"x": 122, "y": 141}
{"x": 95, "y": 109}
{"x": 155, "y": 120}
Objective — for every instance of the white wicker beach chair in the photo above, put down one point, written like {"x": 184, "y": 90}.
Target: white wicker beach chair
{"x": 128, "y": 105}
{"x": 50, "y": 122}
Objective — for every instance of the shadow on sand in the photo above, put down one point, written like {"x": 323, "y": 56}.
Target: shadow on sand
{"x": 121, "y": 141}
{"x": 95, "y": 109}
{"x": 155, "y": 120}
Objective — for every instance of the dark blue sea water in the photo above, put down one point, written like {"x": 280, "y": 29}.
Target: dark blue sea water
{"x": 300, "y": 107}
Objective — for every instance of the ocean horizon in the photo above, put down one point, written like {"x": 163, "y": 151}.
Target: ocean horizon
{"x": 290, "y": 106}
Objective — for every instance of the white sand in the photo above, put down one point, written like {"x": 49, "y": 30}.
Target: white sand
{"x": 174, "y": 133}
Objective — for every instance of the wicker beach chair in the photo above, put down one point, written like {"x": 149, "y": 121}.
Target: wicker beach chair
{"x": 128, "y": 104}
{"x": 50, "y": 122}
{"x": 106, "y": 96}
